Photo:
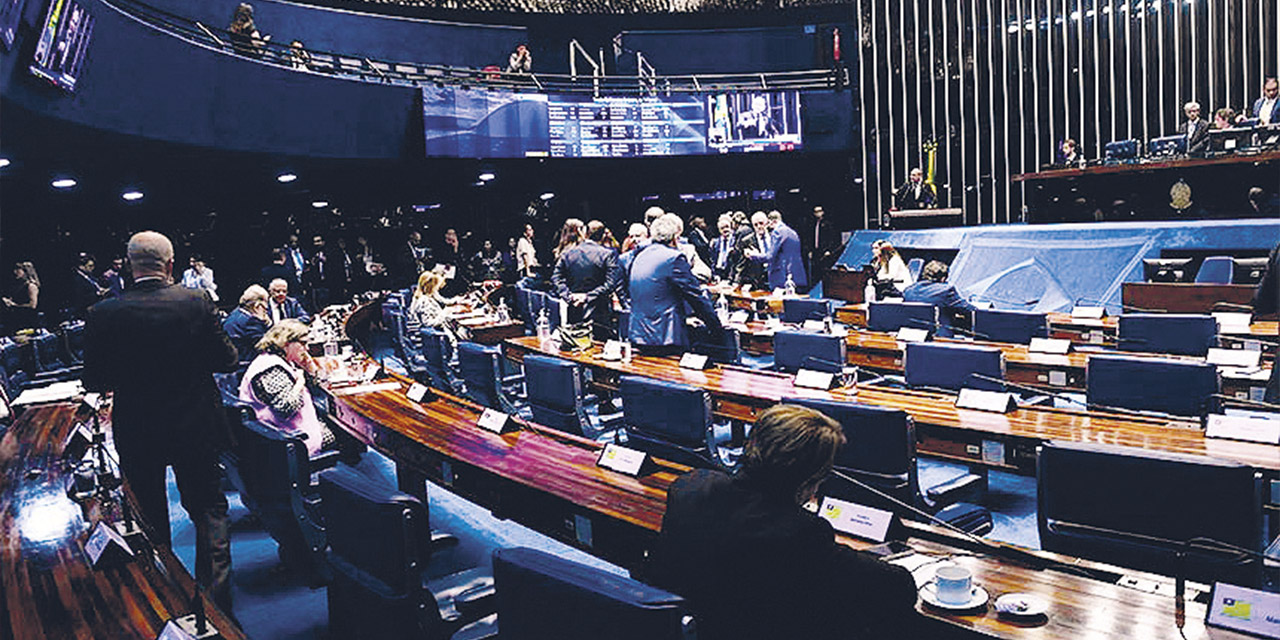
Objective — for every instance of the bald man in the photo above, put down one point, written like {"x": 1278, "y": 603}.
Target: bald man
{"x": 156, "y": 347}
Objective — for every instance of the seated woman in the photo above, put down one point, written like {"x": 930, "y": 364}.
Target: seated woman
{"x": 891, "y": 276}
{"x": 428, "y": 308}
{"x": 275, "y": 386}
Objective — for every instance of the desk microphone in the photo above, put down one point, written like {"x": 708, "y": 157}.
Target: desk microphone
{"x": 1253, "y": 403}
{"x": 1016, "y": 303}
{"x": 1123, "y": 306}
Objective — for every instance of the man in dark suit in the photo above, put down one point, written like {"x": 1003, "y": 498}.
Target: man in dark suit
{"x": 662, "y": 286}
{"x": 820, "y": 243}
{"x": 156, "y": 347}
{"x": 916, "y": 193}
{"x": 698, "y": 238}
{"x": 585, "y": 276}
{"x": 1195, "y": 128}
{"x": 722, "y": 258}
{"x": 1266, "y": 301}
{"x": 933, "y": 288}
{"x": 281, "y": 305}
{"x": 1267, "y": 108}
{"x": 782, "y": 256}
{"x": 278, "y": 268}
{"x": 756, "y": 565}
{"x": 248, "y": 322}
{"x": 87, "y": 290}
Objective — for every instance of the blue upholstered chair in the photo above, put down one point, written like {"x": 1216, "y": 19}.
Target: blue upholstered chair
{"x": 537, "y": 303}
{"x": 480, "y": 368}
{"x": 555, "y": 392}
{"x": 951, "y": 366}
{"x": 523, "y": 303}
{"x": 1138, "y": 508}
{"x": 891, "y": 316}
{"x": 553, "y": 306}
{"x": 797, "y": 310}
{"x": 1009, "y": 326}
{"x": 73, "y": 341}
{"x": 669, "y": 420}
{"x": 436, "y": 355}
{"x": 47, "y": 359}
{"x": 624, "y": 325}
{"x": 1176, "y": 387}
{"x": 542, "y": 596}
{"x": 881, "y": 452}
{"x": 794, "y": 350}
{"x": 11, "y": 357}
{"x": 914, "y": 266}
{"x": 1175, "y": 333}
{"x": 379, "y": 548}
{"x": 1216, "y": 270}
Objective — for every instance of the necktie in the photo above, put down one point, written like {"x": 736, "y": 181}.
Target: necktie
{"x": 275, "y": 312}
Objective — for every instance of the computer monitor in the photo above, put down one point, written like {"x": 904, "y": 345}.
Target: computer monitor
{"x": 1268, "y": 136}
{"x": 1166, "y": 269}
{"x": 1224, "y": 141}
{"x": 1175, "y": 145}
{"x": 1121, "y": 151}
{"x": 1249, "y": 271}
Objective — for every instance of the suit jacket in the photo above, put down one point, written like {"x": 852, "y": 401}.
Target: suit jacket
{"x": 661, "y": 285}
{"x": 721, "y": 245}
{"x": 156, "y": 347}
{"x": 1266, "y": 301}
{"x": 753, "y": 565}
{"x": 244, "y": 329}
{"x": 907, "y": 199}
{"x": 290, "y": 309}
{"x": 1275, "y": 110}
{"x": 785, "y": 258}
{"x": 700, "y": 244}
{"x": 282, "y": 271}
{"x": 591, "y": 269}
{"x": 1198, "y": 142}
{"x": 86, "y": 292}
{"x": 938, "y": 294}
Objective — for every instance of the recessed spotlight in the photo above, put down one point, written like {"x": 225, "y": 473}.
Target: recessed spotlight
{"x": 286, "y": 177}
{"x": 131, "y": 195}
{"x": 320, "y": 204}
{"x": 63, "y": 183}
{"x": 478, "y": 183}
{"x": 4, "y": 162}
{"x": 547, "y": 196}
{"x": 486, "y": 176}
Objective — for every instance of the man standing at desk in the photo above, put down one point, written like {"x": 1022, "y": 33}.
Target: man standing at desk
{"x": 157, "y": 347}
{"x": 1195, "y": 128}
{"x": 1267, "y": 108}
{"x": 916, "y": 194}
{"x": 662, "y": 286}
{"x": 1266, "y": 300}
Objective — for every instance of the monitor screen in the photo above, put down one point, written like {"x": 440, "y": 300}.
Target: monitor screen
{"x": 10, "y": 16}
{"x": 461, "y": 123}
{"x": 64, "y": 39}
{"x": 758, "y": 121}
{"x": 1166, "y": 269}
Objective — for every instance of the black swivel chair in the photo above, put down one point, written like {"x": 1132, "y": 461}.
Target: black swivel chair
{"x": 555, "y": 392}
{"x": 1174, "y": 333}
{"x": 797, "y": 310}
{"x": 379, "y": 549}
{"x": 795, "y": 350}
{"x": 480, "y": 367}
{"x": 951, "y": 367}
{"x": 881, "y": 452}
{"x": 541, "y": 596}
{"x": 891, "y": 316}
{"x": 1178, "y": 387}
{"x": 1009, "y": 326}
{"x": 671, "y": 421}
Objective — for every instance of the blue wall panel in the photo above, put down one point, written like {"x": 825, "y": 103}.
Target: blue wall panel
{"x": 1052, "y": 267}
{"x": 788, "y": 48}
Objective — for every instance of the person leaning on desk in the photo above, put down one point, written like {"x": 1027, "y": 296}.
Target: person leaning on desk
{"x": 755, "y": 564}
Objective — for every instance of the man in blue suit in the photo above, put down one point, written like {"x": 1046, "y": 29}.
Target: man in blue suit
{"x": 663, "y": 291}
{"x": 1267, "y": 108}
{"x": 933, "y": 288}
{"x": 282, "y": 305}
{"x": 723, "y": 254}
{"x": 586, "y": 275}
{"x": 782, "y": 254}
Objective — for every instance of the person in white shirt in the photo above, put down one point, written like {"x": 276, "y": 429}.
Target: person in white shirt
{"x": 200, "y": 276}
{"x": 891, "y": 273}
{"x": 1267, "y": 108}
{"x": 526, "y": 254}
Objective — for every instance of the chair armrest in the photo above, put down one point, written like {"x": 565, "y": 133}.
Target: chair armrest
{"x": 442, "y": 540}
{"x": 477, "y": 602}
{"x": 968, "y": 487}
{"x": 324, "y": 460}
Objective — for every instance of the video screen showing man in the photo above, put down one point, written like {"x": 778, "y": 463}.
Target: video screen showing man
{"x": 761, "y": 121}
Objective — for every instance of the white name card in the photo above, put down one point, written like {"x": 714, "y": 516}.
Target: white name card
{"x": 1050, "y": 345}
{"x": 693, "y": 361}
{"x": 1234, "y": 358}
{"x": 1243, "y": 609}
{"x": 172, "y": 631}
{"x": 1095, "y": 313}
{"x": 416, "y": 392}
{"x": 102, "y": 540}
{"x": 855, "y": 519}
{"x": 912, "y": 334}
{"x": 1251, "y": 427}
{"x": 93, "y": 400}
{"x": 1233, "y": 322}
{"x": 739, "y": 317}
{"x": 814, "y": 325}
{"x": 812, "y": 379}
{"x": 621, "y": 459}
{"x": 495, "y": 421}
{"x": 996, "y": 401}
{"x": 612, "y": 350}
{"x": 773, "y": 324}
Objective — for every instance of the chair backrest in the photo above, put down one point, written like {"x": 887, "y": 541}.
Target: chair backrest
{"x": 480, "y": 369}
{"x": 891, "y": 316}
{"x": 73, "y": 339}
{"x": 11, "y": 359}
{"x": 522, "y": 304}
{"x": 1178, "y": 387}
{"x": 624, "y": 325}
{"x": 951, "y": 366}
{"x": 554, "y": 389}
{"x": 545, "y": 596}
{"x": 272, "y": 465}
{"x": 1010, "y": 326}
{"x": 1136, "y": 508}
{"x": 1175, "y": 333}
{"x": 554, "y": 309}
{"x": 537, "y": 302}
{"x": 880, "y": 450}
{"x": 726, "y": 351}
{"x": 1216, "y": 270}
{"x": 914, "y": 266}
{"x": 676, "y": 412}
{"x": 435, "y": 348}
{"x": 46, "y": 347}
{"x": 797, "y": 310}
{"x": 792, "y": 348}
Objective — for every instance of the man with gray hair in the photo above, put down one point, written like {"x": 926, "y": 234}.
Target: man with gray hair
{"x": 662, "y": 285}
{"x": 156, "y": 347}
{"x": 1195, "y": 128}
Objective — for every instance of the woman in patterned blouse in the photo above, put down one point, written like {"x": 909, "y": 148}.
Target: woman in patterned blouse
{"x": 275, "y": 386}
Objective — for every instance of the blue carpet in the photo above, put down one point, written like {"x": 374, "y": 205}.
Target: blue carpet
{"x": 1011, "y": 499}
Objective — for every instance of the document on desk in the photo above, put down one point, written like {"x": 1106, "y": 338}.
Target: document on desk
{"x": 56, "y": 392}
{"x": 365, "y": 388}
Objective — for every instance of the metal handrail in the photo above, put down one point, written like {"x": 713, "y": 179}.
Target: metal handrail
{"x": 327, "y": 63}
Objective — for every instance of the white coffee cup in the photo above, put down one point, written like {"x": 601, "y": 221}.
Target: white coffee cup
{"x": 954, "y": 584}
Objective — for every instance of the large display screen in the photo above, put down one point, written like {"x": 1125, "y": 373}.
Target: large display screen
{"x": 64, "y": 39}
{"x": 10, "y": 16}
{"x": 489, "y": 124}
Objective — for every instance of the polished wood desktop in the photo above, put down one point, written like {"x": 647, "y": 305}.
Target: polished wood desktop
{"x": 994, "y": 440}
{"x": 754, "y": 300}
{"x": 1186, "y": 297}
{"x": 845, "y": 284}
{"x": 50, "y": 589}
{"x": 1179, "y": 162}
{"x": 549, "y": 481}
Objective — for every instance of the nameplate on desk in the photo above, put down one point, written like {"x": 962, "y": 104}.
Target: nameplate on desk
{"x": 1089, "y": 313}
{"x": 1234, "y": 358}
{"x": 612, "y": 350}
{"x": 995, "y": 401}
{"x": 694, "y": 361}
{"x": 621, "y": 459}
{"x": 1250, "y": 427}
{"x": 93, "y": 400}
{"x": 814, "y": 325}
{"x": 812, "y": 379}
{"x": 1055, "y": 346}
{"x": 495, "y": 421}
{"x": 773, "y": 324}
{"x": 912, "y": 334}
{"x": 187, "y": 628}
{"x": 77, "y": 442}
{"x": 106, "y": 545}
{"x": 1230, "y": 322}
{"x": 417, "y": 392}
{"x": 741, "y": 316}
{"x": 856, "y": 519}
{"x": 365, "y": 388}
{"x": 1243, "y": 609}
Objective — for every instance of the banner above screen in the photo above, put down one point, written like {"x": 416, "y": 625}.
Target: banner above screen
{"x": 491, "y": 124}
